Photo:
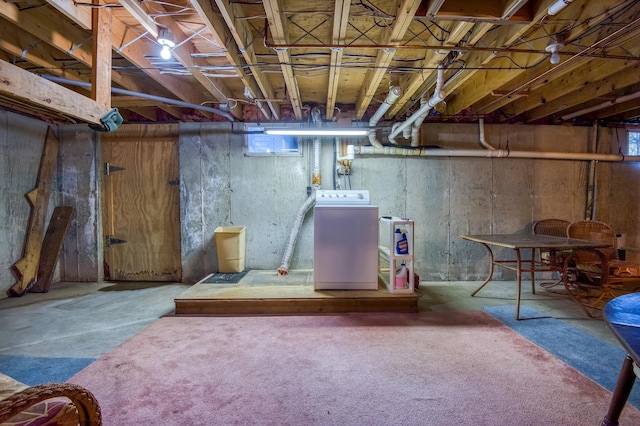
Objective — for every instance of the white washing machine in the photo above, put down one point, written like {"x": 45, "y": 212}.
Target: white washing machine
{"x": 345, "y": 248}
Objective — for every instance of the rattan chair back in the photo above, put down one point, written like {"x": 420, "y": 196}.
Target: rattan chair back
{"x": 593, "y": 230}
{"x": 553, "y": 227}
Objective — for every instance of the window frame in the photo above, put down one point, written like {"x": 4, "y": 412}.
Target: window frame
{"x": 252, "y": 130}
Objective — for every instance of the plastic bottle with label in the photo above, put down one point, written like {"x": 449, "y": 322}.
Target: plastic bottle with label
{"x": 401, "y": 243}
{"x": 401, "y": 277}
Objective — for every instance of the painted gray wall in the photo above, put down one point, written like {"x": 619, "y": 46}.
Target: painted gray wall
{"x": 221, "y": 186}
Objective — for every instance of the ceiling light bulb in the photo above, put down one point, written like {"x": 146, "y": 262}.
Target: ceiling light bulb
{"x": 553, "y": 48}
{"x": 166, "y": 41}
{"x": 165, "y": 53}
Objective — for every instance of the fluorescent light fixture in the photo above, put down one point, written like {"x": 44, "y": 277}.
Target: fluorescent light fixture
{"x": 335, "y": 131}
{"x": 558, "y": 6}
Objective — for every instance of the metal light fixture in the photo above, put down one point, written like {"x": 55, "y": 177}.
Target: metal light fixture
{"x": 335, "y": 131}
{"x": 553, "y": 47}
{"x": 166, "y": 41}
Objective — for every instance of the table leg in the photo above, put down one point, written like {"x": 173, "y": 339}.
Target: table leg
{"x": 490, "y": 270}
{"x": 621, "y": 393}
{"x": 533, "y": 271}
{"x": 519, "y": 279}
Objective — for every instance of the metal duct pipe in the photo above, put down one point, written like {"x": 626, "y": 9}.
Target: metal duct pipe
{"x": 496, "y": 153}
{"x": 316, "y": 182}
{"x": 143, "y": 95}
{"x": 391, "y": 98}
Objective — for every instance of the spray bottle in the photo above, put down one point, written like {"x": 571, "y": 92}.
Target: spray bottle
{"x": 401, "y": 243}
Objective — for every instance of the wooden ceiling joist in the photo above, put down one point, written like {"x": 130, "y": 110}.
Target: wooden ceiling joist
{"x": 405, "y": 15}
{"x": 34, "y": 90}
{"x": 274, "y": 11}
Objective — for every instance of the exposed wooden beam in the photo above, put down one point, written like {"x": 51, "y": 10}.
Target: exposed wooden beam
{"x": 46, "y": 25}
{"x": 512, "y": 7}
{"x": 405, "y": 15}
{"x": 13, "y": 40}
{"x": 259, "y": 85}
{"x": 595, "y": 70}
{"x": 595, "y": 89}
{"x": 183, "y": 53}
{"x": 101, "y": 65}
{"x": 79, "y": 15}
{"x": 433, "y": 6}
{"x": 274, "y": 9}
{"x": 340, "y": 23}
{"x": 122, "y": 35}
{"x": 477, "y": 85}
{"x": 34, "y": 90}
{"x": 136, "y": 10}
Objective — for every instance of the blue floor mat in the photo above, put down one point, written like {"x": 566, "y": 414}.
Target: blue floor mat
{"x": 595, "y": 358}
{"x": 37, "y": 370}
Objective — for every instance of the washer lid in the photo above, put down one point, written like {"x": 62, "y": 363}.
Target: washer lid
{"x": 342, "y": 197}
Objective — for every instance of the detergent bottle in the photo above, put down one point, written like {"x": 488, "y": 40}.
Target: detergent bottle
{"x": 401, "y": 277}
{"x": 401, "y": 243}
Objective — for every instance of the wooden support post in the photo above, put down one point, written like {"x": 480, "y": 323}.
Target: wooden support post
{"x": 26, "y": 269}
{"x": 51, "y": 247}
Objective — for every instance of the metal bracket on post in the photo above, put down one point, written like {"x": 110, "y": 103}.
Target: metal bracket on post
{"x": 109, "y": 122}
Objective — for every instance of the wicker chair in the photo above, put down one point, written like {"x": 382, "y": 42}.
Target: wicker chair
{"x": 552, "y": 259}
{"x": 47, "y": 404}
{"x": 600, "y": 274}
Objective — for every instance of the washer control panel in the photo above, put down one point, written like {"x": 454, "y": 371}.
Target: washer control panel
{"x": 342, "y": 197}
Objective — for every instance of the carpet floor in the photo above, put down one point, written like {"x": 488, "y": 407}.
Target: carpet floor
{"x": 429, "y": 368}
{"x": 596, "y": 359}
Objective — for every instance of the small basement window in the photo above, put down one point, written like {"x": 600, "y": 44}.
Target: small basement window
{"x": 633, "y": 144}
{"x": 260, "y": 144}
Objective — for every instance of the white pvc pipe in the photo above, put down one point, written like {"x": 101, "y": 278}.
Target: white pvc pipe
{"x": 415, "y": 121}
{"x": 496, "y": 153}
{"x": 483, "y": 142}
{"x": 391, "y": 98}
{"x": 435, "y": 100}
{"x": 415, "y": 127}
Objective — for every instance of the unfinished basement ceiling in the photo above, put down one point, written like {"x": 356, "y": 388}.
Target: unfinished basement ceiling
{"x": 274, "y": 60}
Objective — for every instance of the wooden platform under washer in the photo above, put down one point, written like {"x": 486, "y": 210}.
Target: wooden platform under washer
{"x": 266, "y": 293}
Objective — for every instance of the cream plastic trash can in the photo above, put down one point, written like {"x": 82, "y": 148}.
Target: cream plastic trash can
{"x": 230, "y": 244}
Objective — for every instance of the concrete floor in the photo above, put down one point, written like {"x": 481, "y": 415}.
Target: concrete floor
{"x": 87, "y": 320}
